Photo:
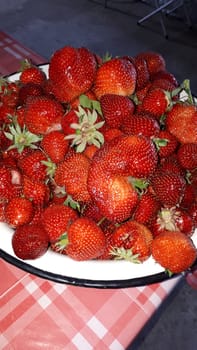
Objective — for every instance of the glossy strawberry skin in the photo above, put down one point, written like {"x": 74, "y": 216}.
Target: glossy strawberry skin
{"x": 55, "y": 146}
{"x": 116, "y": 108}
{"x": 168, "y": 188}
{"x": 56, "y": 220}
{"x": 32, "y": 165}
{"x": 154, "y": 60}
{"x": 72, "y": 72}
{"x": 187, "y": 156}
{"x": 116, "y": 76}
{"x": 67, "y": 174}
{"x": 141, "y": 124}
{"x": 30, "y": 242}
{"x": 86, "y": 240}
{"x": 43, "y": 114}
{"x": 19, "y": 211}
{"x": 181, "y": 121}
{"x": 134, "y": 236}
{"x": 155, "y": 102}
{"x": 174, "y": 251}
{"x": 32, "y": 74}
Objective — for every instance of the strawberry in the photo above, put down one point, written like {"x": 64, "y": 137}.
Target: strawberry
{"x": 172, "y": 219}
{"x": 30, "y": 241}
{"x": 56, "y": 219}
{"x": 43, "y": 114}
{"x": 31, "y": 73}
{"x": 174, "y": 251}
{"x": 32, "y": 165}
{"x": 141, "y": 124}
{"x": 67, "y": 120}
{"x": 8, "y": 185}
{"x": 181, "y": 121}
{"x": 132, "y": 241}
{"x": 187, "y": 155}
{"x": 27, "y": 90}
{"x": 155, "y": 102}
{"x": 72, "y": 72}
{"x": 154, "y": 60}
{"x": 166, "y": 143}
{"x": 116, "y": 108}
{"x": 72, "y": 173}
{"x": 55, "y": 146}
{"x": 86, "y": 240}
{"x": 36, "y": 191}
{"x": 142, "y": 72}
{"x": 116, "y": 76}
{"x": 147, "y": 208}
{"x": 193, "y": 213}
{"x": 170, "y": 164}
{"x": 18, "y": 211}
{"x": 168, "y": 187}
{"x": 164, "y": 74}
{"x": 189, "y": 196}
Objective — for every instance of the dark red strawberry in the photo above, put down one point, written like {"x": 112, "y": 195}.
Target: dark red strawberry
{"x": 19, "y": 211}
{"x": 30, "y": 242}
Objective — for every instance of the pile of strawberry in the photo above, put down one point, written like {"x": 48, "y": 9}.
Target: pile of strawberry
{"x": 99, "y": 159}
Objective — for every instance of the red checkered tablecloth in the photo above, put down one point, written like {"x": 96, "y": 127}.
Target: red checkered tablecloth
{"x": 36, "y": 313}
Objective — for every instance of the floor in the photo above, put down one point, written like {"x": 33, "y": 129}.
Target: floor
{"x": 47, "y": 25}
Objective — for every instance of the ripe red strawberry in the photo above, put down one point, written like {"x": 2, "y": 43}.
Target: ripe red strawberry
{"x": 116, "y": 108}
{"x": 142, "y": 72}
{"x": 155, "y": 61}
{"x": 155, "y": 102}
{"x": 171, "y": 164}
{"x": 163, "y": 84}
{"x": 181, "y": 121}
{"x": 18, "y": 211}
{"x": 174, "y": 251}
{"x": 86, "y": 240}
{"x": 132, "y": 241}
{"x": 27, "y": 90}
{"x": 55, "y": 146}
{"x": 193, "y": 213}
{"x": 36, "y": 191}
{"x": 6, "y": 114}
{"x": 164, "y": 74}
{"x": 147, "y": 207}
{"x": 189, "y": 196}
{"x": 32, "y": 165}
{"x": 43, "y": 114}
{"x": 116, "y": 76}
{"x": 168, "y": 187}
{"x": 72, "y": 173}
{"x": 166, "y": 143}
{"x": 9, "y": 185}
{"x": 187, "y": 155}
{"x": 30, "y": 241}
{"x": 69, "y": 118}
{"x": 141, "y": 124}
{"x": 72, "y": 72}
{"x": 31, "y": 73}
{"x": 56, "y": 219}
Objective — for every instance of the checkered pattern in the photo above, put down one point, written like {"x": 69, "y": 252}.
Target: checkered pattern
{"x": 36, "y": 313}
{"x": 12, "y": 53}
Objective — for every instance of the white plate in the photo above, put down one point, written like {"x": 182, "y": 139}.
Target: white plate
{"x": 99, "y": 274}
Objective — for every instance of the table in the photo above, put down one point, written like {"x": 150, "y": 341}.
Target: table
{"x": 36, "y": 313}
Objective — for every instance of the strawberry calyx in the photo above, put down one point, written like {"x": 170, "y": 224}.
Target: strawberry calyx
{"x": 120, "y": 253}
{"x": 50, "y": 167}
{"x": 139, "y": 184}
{"x": 86, "y": 131}
{"x": 72, "y": 203}
{"x": 167, "y": 218}
{"x": 21, "y": 137}
{"x": 159, "y": 142}
{"x": 62, "y": 243}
